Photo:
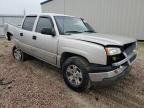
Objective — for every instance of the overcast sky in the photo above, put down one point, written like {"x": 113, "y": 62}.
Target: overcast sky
{"x": 18, "y": 6}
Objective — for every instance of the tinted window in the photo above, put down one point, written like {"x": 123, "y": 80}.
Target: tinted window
{"x": 29, "y": 23}
{"x": 44, "y": 22}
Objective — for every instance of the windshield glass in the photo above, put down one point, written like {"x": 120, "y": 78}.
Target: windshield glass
{"x": 69, "y": 25}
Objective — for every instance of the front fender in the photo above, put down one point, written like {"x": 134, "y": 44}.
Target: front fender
{"x": 94, "y": 53}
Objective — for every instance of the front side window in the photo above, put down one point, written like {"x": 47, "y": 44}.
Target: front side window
{"x": 29, "y": 23}
{"x": 68, "y": 24}
{"x": 43, "y": 22}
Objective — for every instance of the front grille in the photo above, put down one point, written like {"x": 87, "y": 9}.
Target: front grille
{"x": 129, "y": 48}
{"x": 133, "y": 58}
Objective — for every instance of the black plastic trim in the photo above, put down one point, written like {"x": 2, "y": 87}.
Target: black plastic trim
{"x": 96, "y": 68}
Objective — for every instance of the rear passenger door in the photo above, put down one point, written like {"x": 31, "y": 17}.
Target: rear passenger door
{"x": 27, "y": 33}
{"x": 45, "y": 45}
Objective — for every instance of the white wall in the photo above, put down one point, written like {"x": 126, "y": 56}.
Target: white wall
{"x": 121, "y": 17}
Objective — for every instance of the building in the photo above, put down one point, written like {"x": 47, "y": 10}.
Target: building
{"x": 11, "y": 19}
{"x": 121, "y": 17}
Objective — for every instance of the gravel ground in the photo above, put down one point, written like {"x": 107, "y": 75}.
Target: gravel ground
{"x": 35, "y": 84}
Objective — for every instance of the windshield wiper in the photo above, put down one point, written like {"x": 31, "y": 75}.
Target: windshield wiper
{"x": 90, "y": 31}
{"x": 73, "y": 32}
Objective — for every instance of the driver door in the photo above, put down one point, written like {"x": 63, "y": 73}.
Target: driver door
{"x": 45, "y": 46}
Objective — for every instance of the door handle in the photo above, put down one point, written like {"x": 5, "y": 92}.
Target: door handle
{"x": 34, "y": 37}
{"x": 21, "y": 34}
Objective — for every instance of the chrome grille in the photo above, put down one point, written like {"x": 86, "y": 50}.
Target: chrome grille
{"x": 130, "y": 48}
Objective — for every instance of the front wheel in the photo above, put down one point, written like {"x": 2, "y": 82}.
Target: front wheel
{"x": 75, "y": 73}
{"x": 18, "y": 54}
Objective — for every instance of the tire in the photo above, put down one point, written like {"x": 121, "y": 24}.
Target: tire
{"x": 75, "y": 73}
{"x": 18, "y": 54}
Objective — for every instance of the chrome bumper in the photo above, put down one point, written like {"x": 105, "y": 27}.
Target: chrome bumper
{"x": 97, "y": 77}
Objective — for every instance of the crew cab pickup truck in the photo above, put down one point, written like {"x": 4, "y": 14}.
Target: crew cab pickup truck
{"x": 71, "y": 44}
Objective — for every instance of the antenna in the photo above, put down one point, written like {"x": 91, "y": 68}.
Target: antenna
{"x": 64, "y": 6}
{"x": 64, "y": 14}
{"x": 24, "y": 11}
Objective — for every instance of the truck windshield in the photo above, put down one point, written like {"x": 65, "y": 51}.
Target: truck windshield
{"x": 72, "y": 25}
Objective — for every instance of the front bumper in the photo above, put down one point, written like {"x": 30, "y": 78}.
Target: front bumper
{"x": 110, "y": 76}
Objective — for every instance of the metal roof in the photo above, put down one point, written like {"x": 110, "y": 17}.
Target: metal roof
{"x": 44, "y": 2}
{"x": 49, "y": 14}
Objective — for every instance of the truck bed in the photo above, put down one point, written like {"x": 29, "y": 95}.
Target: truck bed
{"x": 11, "y": 31}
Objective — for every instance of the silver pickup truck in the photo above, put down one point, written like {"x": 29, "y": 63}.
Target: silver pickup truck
{"x": 71, "y": 44}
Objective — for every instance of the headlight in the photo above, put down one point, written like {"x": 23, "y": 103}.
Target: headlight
{"x": 113, "y": 51}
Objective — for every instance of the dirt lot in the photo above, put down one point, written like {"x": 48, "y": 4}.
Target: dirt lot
{"x": 35, "y": 84}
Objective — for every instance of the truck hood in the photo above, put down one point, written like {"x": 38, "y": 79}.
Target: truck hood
{"x": 102, "y": 39}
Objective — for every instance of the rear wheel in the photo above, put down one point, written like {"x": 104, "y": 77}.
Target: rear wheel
{"x": 75, "y": 73}
{"x": 18, "y": 54}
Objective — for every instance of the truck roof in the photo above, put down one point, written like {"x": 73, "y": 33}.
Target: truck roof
{"x": 49, "y": 14}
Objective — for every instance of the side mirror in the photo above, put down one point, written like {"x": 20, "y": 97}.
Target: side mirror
{"x": 48, "y": 31}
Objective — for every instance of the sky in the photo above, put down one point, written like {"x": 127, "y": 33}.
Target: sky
{"x": 18, "y": 6}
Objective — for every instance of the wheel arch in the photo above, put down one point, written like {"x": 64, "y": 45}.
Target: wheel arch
{"x": 67, "y": 55}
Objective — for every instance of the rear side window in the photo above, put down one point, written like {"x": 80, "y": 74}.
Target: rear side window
{"x": 44, "y": 22}
{"x": 29, "y": 23}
